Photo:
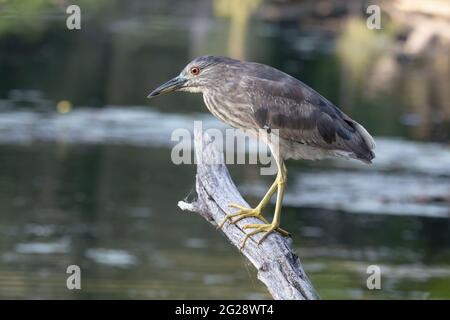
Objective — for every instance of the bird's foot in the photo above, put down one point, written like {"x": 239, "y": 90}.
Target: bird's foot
{"x": 242, "y": 213}
{"x": 266, "y": 228}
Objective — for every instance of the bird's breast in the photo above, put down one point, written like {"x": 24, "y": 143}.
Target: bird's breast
{"x": 236, "y": 112}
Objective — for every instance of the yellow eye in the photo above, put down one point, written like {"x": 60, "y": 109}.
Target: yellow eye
{"x": 195, "y": 71}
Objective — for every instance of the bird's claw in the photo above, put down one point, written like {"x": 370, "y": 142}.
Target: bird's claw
{"x": 266, "y": 228}
{"x": 242, "y": 213}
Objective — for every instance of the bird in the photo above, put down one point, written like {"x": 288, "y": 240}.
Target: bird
{"x": 294, "y": 120}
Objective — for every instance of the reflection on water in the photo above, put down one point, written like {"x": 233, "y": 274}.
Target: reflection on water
{"x": 239, "y": 12}
{"x": 86, "y": 177}
{"x": 107, "y": 209}
{"x": 375, "y": 192}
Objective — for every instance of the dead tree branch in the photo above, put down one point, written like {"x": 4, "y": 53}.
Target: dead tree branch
{"x": 278, "y": 266}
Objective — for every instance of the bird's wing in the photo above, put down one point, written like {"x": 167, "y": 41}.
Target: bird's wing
{"x": 302, "y": 115}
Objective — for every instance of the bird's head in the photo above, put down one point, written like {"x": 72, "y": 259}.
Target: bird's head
{"x": 200, "y": 74}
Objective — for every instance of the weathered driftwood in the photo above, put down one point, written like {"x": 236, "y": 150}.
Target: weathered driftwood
{"x": 279, "y": 268}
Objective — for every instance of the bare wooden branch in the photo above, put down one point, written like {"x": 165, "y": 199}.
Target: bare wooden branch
{"x": 278, "y": 266}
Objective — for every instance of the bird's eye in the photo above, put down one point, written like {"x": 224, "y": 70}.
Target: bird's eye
{"x": 195, "y": 71}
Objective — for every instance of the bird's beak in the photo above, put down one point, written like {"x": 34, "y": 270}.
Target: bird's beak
{"x": 169, "y": 86}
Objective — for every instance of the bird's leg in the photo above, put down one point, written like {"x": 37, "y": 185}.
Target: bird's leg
{"x": 256, "y": 212}
{"x": 274, "y": 226}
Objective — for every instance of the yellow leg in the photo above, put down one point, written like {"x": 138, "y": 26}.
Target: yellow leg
{"x": 256, "y": 212}
{"x": 274, "y": 226}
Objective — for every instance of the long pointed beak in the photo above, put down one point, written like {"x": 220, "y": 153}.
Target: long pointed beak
{"x": 169, "y": 86}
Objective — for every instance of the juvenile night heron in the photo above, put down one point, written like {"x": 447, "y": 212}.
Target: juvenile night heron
{"x": 254, "y": 96}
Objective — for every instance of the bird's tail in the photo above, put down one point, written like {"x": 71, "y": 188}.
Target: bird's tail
{"x": 367, "y": 145}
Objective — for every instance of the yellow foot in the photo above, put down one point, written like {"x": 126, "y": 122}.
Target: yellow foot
{"x": 266, "y": 228}
{"x": 242, "y": 213}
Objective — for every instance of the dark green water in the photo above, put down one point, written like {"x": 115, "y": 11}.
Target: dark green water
{"x": 109, "y": 204}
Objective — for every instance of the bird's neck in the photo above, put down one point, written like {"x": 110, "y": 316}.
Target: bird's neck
{"x": 192, "y": 89}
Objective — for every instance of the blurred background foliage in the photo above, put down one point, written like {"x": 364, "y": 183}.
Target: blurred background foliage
{"x": 86, "y": 177}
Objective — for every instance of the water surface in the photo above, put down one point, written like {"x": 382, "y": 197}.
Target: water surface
{"x": 91, "y": 182}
